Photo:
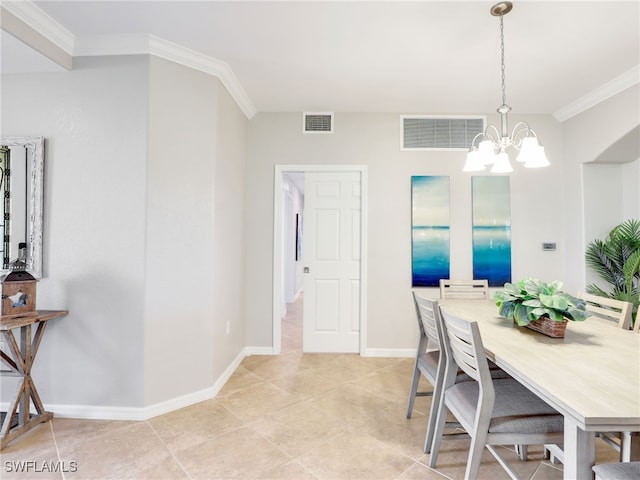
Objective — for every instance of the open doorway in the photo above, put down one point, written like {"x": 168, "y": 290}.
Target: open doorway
{"x": 284, "y": 246}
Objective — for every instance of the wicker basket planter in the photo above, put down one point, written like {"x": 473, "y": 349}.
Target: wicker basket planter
{"x": 541, "y": 306}
{"x": 548, "y": 327}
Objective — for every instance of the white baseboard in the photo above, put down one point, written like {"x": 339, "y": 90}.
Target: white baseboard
{"x": 102, "y": 412}
{"x": 259, "y": 351}
{"x": 390, "y": 352}
{"x": 195, "y": 397}
{"x": 98, "y": 412}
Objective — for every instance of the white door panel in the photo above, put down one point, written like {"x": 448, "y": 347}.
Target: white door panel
{"x": 332, "y": 216}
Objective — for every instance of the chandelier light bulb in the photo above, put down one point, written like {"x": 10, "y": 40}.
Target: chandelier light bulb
{"x": 474, "y": 161}
{"x": 502, "y": 164}
{"x": 538, "y": 159}
{"x": 487, "y": 152}
{"x": 528, "y": 149}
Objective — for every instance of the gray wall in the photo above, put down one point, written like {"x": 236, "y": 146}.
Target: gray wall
{"x": 585, "y": 137}
{"x": 149, "y": 165}
{"x": 179, "y": 224}
{"x": 142, "y": 155}
{"x": 230, "y": 267}
{"x": 547, "y": 205}
{"x": 373, "y": 140}
{"x": 94, "y": 119}
{"x": 611, "y": 196}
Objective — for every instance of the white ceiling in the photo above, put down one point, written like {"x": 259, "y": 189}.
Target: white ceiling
{"x": 384, "y": 56}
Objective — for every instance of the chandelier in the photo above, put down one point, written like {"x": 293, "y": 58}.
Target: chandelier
{"x": 489, "y": 148}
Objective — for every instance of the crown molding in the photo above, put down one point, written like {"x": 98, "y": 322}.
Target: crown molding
{"x": 34, "y": 17}
{"x": 103, "y": 45}
{"x": 134, "y": 44}
{"x": 46, "y": 26}
{"x": 190, "y": 58}
{"x": 591, "y": 99}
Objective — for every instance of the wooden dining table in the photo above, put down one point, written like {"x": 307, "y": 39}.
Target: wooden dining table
{"x": 591, "y": 376}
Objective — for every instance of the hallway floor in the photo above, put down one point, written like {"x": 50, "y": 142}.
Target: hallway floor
{"x": 293, "y": 416}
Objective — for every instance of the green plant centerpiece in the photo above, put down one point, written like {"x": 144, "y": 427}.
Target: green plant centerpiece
{"x": 540, "y": 306}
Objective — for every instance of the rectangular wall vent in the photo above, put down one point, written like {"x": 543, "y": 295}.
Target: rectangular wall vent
{"x": 317, "y": 123}
{"x": 438, "y": 133}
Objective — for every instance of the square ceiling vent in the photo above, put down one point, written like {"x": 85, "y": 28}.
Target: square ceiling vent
{"x": 318, "y": 122}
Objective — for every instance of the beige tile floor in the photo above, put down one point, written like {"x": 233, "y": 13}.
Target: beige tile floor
{"x": 293, "y": 416}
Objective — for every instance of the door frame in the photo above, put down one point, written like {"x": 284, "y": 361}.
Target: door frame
{"x": 277, "y": 245}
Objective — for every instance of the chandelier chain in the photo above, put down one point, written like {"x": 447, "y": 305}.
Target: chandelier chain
{"x": 504, "y": 91}
{"x": 490, "y": 146}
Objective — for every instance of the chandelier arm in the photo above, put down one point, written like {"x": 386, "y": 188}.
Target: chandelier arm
{"x": 473, "y": 142}
{"x": 493, "y": 138}
{"x": 521, "y": 130}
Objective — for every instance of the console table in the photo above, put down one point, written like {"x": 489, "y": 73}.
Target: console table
{"x": 19, "y": 357}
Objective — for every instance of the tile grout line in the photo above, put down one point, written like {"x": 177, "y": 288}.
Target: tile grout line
{"x": 169, "y": 450}
{"x": 350, "y": 427}
{"x": 425, "y": 465}
{"x": 55, "y": 444}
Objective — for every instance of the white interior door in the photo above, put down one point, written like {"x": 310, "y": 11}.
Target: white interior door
{"x": 331, "y": 257}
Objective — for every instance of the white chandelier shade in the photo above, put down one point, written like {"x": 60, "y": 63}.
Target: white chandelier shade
{"x": 489, "y": 148}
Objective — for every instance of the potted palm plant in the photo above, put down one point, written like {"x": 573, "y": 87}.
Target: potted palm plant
{"x": 541, "y": 306}
{"x": 616, "y": 260}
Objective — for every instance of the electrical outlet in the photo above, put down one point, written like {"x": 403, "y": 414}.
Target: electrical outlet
{"x": 228, "y": 327}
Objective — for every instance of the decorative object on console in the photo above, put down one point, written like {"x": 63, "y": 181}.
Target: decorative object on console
{"x": 492, "y": 146}
{"x": 543, "y": 307}
{"x": 18, "y": 287}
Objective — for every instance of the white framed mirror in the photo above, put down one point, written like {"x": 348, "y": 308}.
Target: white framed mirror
{"x": 21, "y": 206}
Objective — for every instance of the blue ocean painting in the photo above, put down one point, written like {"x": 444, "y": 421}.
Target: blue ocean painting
{"x": 430, "y": 230}
{"x": 491, "y": 229}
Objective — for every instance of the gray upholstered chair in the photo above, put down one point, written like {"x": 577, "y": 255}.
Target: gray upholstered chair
{"x": 617, "y": 471}
{"x": 608, "y": 309}
{"x": 492, "y": 411}
{"x": 620, "y": 312}
{"x": 426, "y": 363}
{"x": 476, "y": 289}
{"x": 430, "y": 364}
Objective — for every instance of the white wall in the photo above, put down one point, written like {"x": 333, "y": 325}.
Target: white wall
{"x": 115, "y": 129}
{"x": 298, "y": 208}
{"x": 611, "y": 196}
{"x": 603, "y": 206}
{"x": 179, "y": 301}
{"x": 293, "y": 204}
{"x": 631, "y": 189}
{"x": 603, "y": 199}
{"x": 230, "y": 267}
{"x": 94, "y": 120}
{"x": 373, "y": 140}
{"x": 143, "y": 236}
{"x": 585, "y": 137}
